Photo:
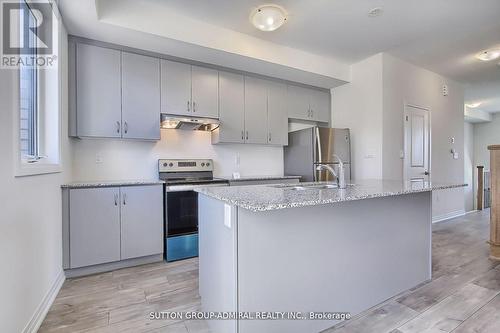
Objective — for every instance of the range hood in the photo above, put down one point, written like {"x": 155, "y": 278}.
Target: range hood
{"x": 188, "y": 123}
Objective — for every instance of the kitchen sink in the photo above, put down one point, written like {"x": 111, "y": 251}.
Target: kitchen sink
{"x": 296, "y": 187}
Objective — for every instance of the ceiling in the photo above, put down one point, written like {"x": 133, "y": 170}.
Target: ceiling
{"x": 440, "y": 35}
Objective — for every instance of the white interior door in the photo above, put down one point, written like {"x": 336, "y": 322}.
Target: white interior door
{"x": 417, "y": 144}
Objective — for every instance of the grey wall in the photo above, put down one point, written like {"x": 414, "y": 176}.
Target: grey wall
{"x": 469, "y": 172}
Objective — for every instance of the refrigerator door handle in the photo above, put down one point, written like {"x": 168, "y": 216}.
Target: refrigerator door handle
{"x": 318, "y": 143}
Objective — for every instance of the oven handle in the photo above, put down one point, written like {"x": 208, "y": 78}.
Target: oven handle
{"x": 180, "y": 188}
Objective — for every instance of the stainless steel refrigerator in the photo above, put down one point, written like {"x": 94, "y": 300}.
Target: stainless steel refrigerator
{"x": 317, "y": 145}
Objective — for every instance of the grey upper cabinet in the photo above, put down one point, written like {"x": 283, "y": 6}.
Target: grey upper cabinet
{"x": 298, "y": 103}
{"x": 141, "y": 221}
{"x": 175, "y": 88}
{"x": 205, "y": 92}
{"x": 98, "y": 90}
{"x": 231, "y": 109}
{"x": 255, "y": 110}
{"x": 140, "y": 96}
{"x": 94, "y": 226}
{"x": 277, "y": 119}
{"x": 308, "y": 104}
{"x": 320, "y": 105}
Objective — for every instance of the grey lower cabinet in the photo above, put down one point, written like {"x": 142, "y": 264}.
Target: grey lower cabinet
{"x": 113, "y": 94}
{"x": 111, "y": 224}
{"x": 308, "y": 104}
{"x": 189, "y": 90}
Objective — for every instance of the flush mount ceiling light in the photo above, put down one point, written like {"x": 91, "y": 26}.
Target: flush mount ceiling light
{"x": 268, "y": 17}
{"x": 488, "y": 55}
{"x": 473, "y": 105}
{"x": 374, "y": 12}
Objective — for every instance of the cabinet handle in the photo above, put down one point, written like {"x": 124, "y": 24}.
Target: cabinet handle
{"x": 247, "y": 135}
{"x": 124, "y": 199}
{"x": 189, "y": 106}
{"x": 269, "y": 136}
{"x": 125, "y": 127}
{"x": 117, "y": 127}
{"x": 312, "y": 113}
{"x": 242, "y": 135}
{"x": 194, "y": 106}
{"x": 116, "y": 199}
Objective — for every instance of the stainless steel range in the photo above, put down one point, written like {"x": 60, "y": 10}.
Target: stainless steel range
{"x": 181, "y": 203}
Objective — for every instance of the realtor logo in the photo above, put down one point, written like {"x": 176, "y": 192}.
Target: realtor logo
{"x": 27, "y": 34}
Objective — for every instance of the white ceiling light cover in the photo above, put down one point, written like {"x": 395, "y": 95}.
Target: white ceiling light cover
{"x": 268, "y": 17}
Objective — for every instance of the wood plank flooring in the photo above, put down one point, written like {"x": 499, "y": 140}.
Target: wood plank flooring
{"x": 463, "y": 296}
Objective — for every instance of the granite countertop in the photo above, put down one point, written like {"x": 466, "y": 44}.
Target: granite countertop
{"x": 250, "y": 178}
{"x": 112, "y": 183}
{"x": 272, "y": 197}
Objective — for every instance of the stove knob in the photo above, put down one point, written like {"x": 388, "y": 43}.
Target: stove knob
{"x": 171, "y": 164}
{"x": 165, "y": 164}
{"x": 208, "y": 164}
{"x": 203, "y": 164}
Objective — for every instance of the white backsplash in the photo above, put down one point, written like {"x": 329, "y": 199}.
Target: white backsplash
{"x": 109, "y": 159}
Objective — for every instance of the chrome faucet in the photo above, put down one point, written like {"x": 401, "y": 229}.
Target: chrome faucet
{"x": 340, "y": 176}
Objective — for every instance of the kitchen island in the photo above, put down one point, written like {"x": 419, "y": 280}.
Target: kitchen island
{"x": 310, "y": 248}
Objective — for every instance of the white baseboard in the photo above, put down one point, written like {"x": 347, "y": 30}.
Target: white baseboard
{"x": 44, "y": 306}
{"x": 447, "y": 216}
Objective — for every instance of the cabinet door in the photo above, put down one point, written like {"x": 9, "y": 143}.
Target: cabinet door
{"x": 320, "y": 105}
{"x": 231, "y": 109}
{"x": 98, "y": 90}
{"x": 205, "y": 92}
{"x": 140, "y": 97}
{"x": 141, "y": 221}
{"x": 175, "y": 88}
{"x": 276, "y": 114}
{"x": 298, "y": 103}
{"x": 94, "y": 229}
{"x": 255, "y": 110}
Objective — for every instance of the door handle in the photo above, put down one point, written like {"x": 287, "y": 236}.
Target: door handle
{"x": 125, "y": 127}
{"x": 117, "y": 127}
{"x": 426, "y": 172}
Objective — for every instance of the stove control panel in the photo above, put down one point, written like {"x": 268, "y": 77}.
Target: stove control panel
{"x": 177, "y": 165}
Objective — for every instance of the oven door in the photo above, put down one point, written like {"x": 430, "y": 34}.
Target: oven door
{"x": 181, "y": 213}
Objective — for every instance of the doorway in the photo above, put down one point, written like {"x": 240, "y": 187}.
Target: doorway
{"x": 416, "y": 143}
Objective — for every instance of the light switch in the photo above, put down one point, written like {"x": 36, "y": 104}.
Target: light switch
{"x": 227, "y": 215}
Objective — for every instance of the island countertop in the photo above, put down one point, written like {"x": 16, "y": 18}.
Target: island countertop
{"x": 272, "y": 197}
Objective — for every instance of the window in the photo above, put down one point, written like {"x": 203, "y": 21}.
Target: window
{"x": 37, "y": 139}
{"x": 28, "y": 93}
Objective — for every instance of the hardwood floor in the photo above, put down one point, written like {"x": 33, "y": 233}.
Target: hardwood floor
{"x": 463, "y": 296}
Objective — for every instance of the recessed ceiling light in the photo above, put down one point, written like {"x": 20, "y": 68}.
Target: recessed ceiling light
{"x": 488, "y": 55}
{"x": 473, "y": 105}
{"x": 374, "y": 12}
{"x": 268, "y": 17}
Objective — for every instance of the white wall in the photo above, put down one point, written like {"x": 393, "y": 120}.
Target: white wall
{"x": 123, "y": 159}
{"x": 30, "y": 218}
{"x": 372, "y": 105}
{"x": 358, "y": 106}
{"x": 469, "y": 172}
{"x": 486, "y": 134}
{"x": 405, "y": 83}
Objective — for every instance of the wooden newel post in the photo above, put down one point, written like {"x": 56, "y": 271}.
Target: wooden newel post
{"x": 495, "y": 202}
{"x": 480, "y": 187}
